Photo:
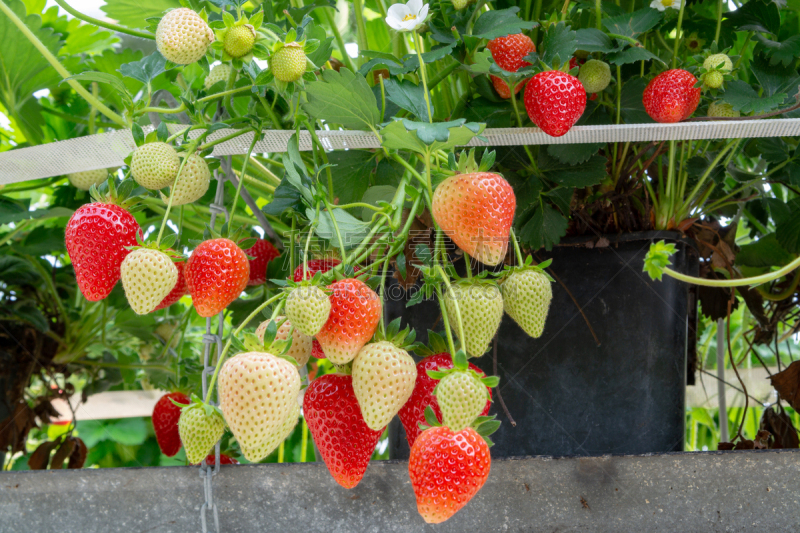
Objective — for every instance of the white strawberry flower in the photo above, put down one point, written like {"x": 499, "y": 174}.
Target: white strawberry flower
{"x": 663, "y": 5}
{"x": 407, "y": 17}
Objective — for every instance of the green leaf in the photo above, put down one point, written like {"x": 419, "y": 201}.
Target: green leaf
{"x": 41, "y": 241}
{"x": 373, "y": 195}
{"x": 146, "y": 69}
{"x": 16, "y": 271}
{"x": 788, "y": 233}
{"x": 133, "y": 13}
{"x": 742, "y": 97}
{"x": 24, "y": 71}
{"x": 499, "y": 23}
{"x": 573, "y": 154}
{"x": 110, "y": 62}
{"x": 780, "y": 52}
{"x": 411, "y": 61}
{"x": 774, "y": 79}
{"x": 558, "y": 45}
{"x": 423, "y": 136}
{"x": 545, "y": 228}
{"x": 141, "y": 326}
{"x": 632, "y": 54}
{"x": 342, "y": 98}
{"x": 591, "y": 172}
{"x": 632, "y": 24}
{"x": 323, "y": 52}
{"x": 657, "y": 259}
{"x": 756, "y": 15}
{"x": 30, "y": 313}
{"x": 765, "y": 252}
{"x": 593, "y": 40}
{"x": 285, "y": 198}
{"x": 352, "y": 173}
{"x": 632, "y": 110}
{"x": 128, "y": 431}
{"x": 408, "y": 96}
{"x": 351, "y": 229}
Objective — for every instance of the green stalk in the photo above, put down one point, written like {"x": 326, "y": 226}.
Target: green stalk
{"x": 189, "y": 151}
{"x": 422, "y": 71}
{"x": 678, "y": 36}
{"x": 256, "y": 136}
{"x": 182, "y": 107}
{"x": 598, "y": 14}
{"x": 517, "y": 251}
{"x": 741, "y": 282}
{"x": 103, "y": 24}
{"x": 361, "y": 28}
{"x": 226, "y": 138}
{"x": 336, "y": 229}
{"x": 59, "y": 68}
{"x": 462, "y": 339}
{"x": 706, "y": 174}
{"x": 719, "y": 21}
{"x": 346, "y": 59}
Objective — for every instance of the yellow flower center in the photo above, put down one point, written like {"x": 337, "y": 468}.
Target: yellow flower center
{"x": 667, "y": 3}
{"x": 409, "y": 17}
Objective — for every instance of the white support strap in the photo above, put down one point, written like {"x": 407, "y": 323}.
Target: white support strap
{"x": 107, "y": 150}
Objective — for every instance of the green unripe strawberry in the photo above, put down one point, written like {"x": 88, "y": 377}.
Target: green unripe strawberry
{"x": 239, "y": 40}
{"x": 715, "y": 60}
{"x": 460, "y": 4}
{"x": 289, "y": 63}
{"x": 308, "y": 307}
{"x": 526, "y": 298}
{"x": 713, "y": 79}
{"x": 481, "y": 306}
{"x": 722, "y": 109}
{"x": 595, "y": 75}
{"x": 155, "y": 165}
{"x": 84, "y": 180}
{"x": 200, "y": 427}
{"x": 462, "y": 397}
{"x": 219, "y": 73}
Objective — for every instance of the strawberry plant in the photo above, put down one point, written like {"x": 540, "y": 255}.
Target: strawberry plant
{"x": 242, "y": 241}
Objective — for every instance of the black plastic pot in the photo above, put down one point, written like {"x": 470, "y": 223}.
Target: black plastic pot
{"x": 571, "y": 395}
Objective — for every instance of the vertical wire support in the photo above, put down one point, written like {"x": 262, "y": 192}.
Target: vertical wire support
{"x": 723, "y": 408}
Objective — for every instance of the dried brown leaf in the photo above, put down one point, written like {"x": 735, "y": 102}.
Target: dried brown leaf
{"x": 787, "y": 383}
{"x": 781, "y": 427}
{"x": 41, "y": 456}
{"x": 61, "y": 455}
{"x": 78, "y": 457}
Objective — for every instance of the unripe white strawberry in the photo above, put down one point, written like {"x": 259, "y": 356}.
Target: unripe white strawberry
{"x": 289, "y": 63}
{"x": 274, "y": 440}
{"x": 714, "y": 60}
{"x": 461, "y": 397}
{"x": 526, "y": 298}
{"x": 481, "y": 306}
{"x": 192, "y": 182}
{"x": 383, "y": 380}
{"x": 302, "y": 344}
{"x": 722, "y": 109}
{"x": 595, "y": 75}
{"x": 183, "y": 36}
{"x": 308, "y": 307}
{"x": 200, "y": 427}
{"x": 219, "y": 73}
{"x": 713, "y": 79}
{"x": 147, "y": 276}
{"x": 460, "y": 4}
{"x": 257, "y": 391}
{"x": 155, "y": 165}
{"x": 84, "y": 180}
{"x": 239, "y": 40}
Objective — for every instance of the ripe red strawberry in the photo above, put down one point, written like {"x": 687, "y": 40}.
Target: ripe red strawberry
{"x": 508, "y": 52}
{"x": 447, "y": 469}
{"x": 503, "y": 89}
{"x": 178, "y": 291}
{"x": 262, "y": 253}
{"x": 96, "y": 236}
{"x": 314, "y": 266}
{"x": 165, "y": 422}
{"x": 224, "y": 459}
{"x": 476, "y": 211}
{"x": 216, "y": 274}
{"x": 355, "y": 313}
{"x": 316, "y": 350}
{"x": 413, "y": 412}
{"x": 339, "y": 431}
{"x": 671, "y": 96}
{"x": 554, "y": 101}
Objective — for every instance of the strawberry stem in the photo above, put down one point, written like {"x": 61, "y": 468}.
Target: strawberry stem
{"x": 461, "y": 337}
{"x": 446, "y": 322}
{"x": 336, "y": 230}
{"x": 517, "y": 251}
{"x": 423, "y": 75}
{"x": 189, "y": 151}
{"x": 678, "y": 35}
{"x": 103, "y": 24}
{"x": 256, "y": 137}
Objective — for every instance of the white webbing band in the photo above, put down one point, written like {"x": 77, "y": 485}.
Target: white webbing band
{"x": 106, "y": 150}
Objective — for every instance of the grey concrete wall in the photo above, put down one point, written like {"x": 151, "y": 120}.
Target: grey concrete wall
{"x": 681, "y": 492}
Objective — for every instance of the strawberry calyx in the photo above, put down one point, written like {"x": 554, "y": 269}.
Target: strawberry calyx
{"x": 437, "y": 345}
{"x": 196, "y": 403}
{"x": 466, "y": 163}
{"x": 238, "y": 39}
{"x": 403, "y": 339}
{"x": 527, "y": 266}
{"x": 271, "y": 344}
{"x": 111, "y": 192}
{"x": 461, "y": 365}
{"x": 345, "y": 369}
{"x": 483, "y": 425}
{"x": 293, "y": 38}
{"x": 166, "y": 246}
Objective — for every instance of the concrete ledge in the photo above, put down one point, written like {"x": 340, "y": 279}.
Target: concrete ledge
{"x": 686, "y": 492}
